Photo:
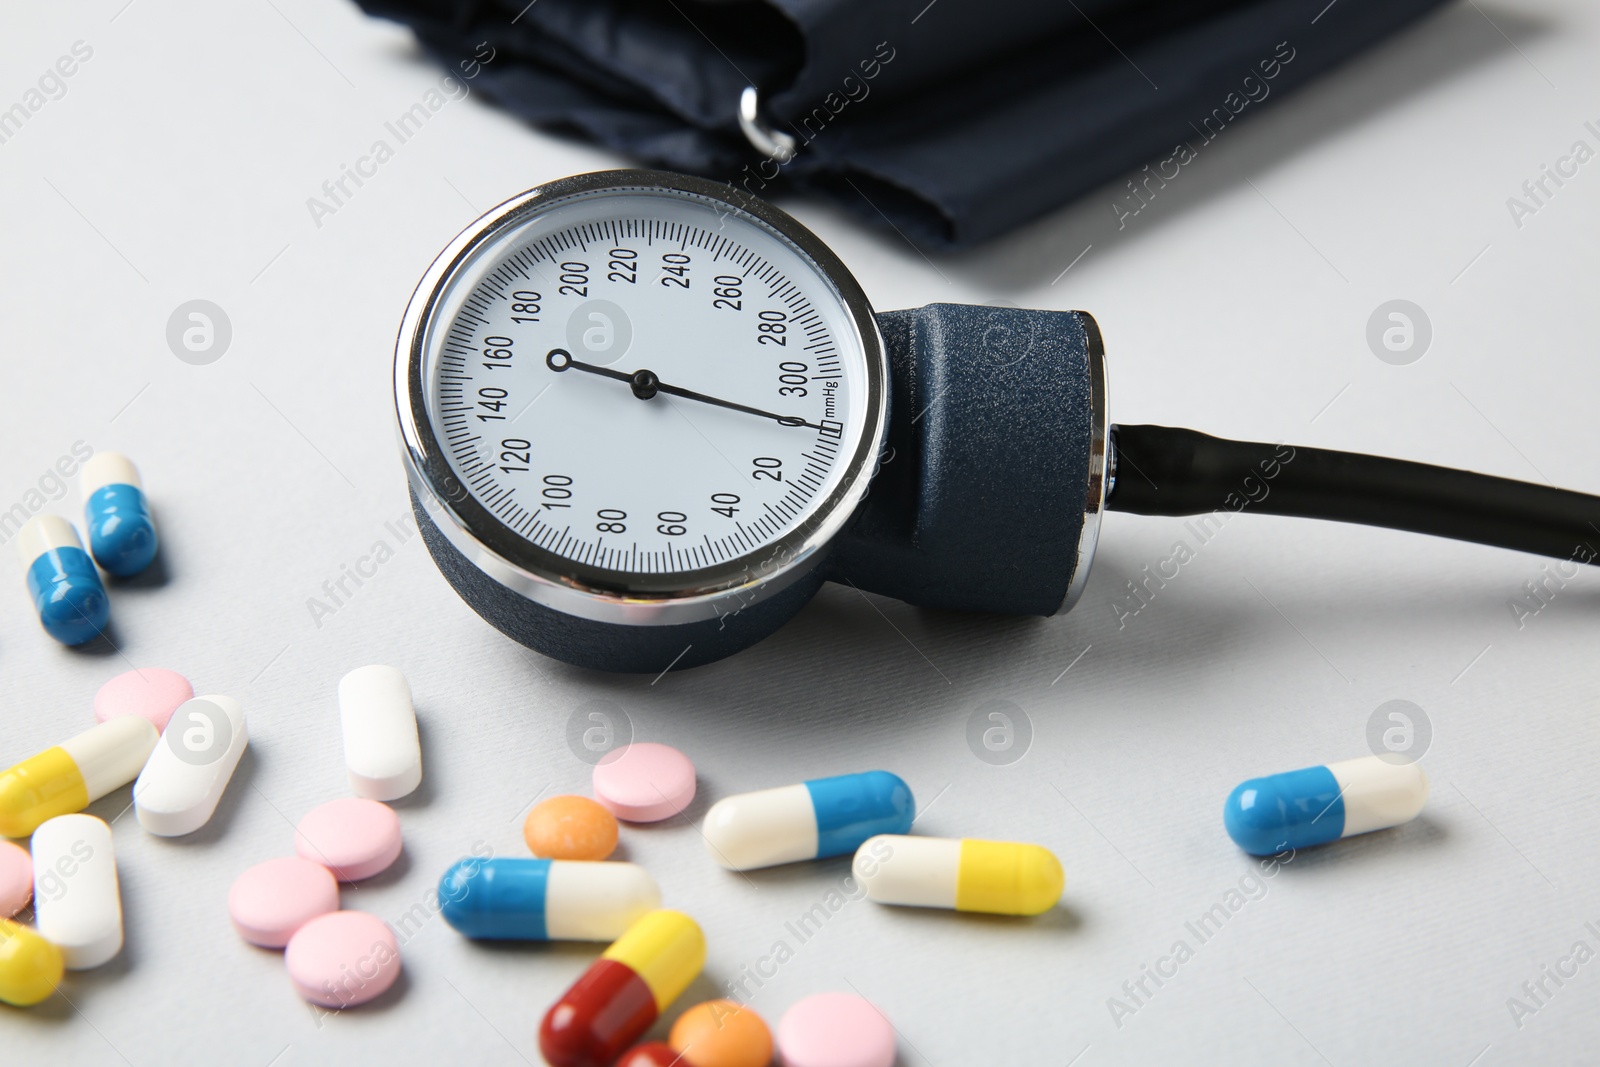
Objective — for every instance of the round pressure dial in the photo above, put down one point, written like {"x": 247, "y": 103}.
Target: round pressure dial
{"x": 637, "y": 397}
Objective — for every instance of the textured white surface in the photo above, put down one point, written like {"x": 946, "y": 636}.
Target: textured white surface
{"x": 178, "y": 166}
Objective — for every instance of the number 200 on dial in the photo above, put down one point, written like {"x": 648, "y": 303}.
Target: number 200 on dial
{"x": 641, "y": 386}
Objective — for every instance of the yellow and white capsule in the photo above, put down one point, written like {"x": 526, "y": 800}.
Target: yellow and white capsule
{"x": 74, "y": 774}
{"x": 998, "y": 877}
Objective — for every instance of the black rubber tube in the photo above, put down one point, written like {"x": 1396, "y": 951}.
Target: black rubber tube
{"x": 1162, "y": 470}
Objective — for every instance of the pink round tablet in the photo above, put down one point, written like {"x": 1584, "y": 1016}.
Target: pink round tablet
{"x": 343, "y": 959}
{"x": 835, "y": 1030}
{"x": 272, "y": 900}
{"x": 149, "y": 692}
{"x": 352, "y": 837}
{"x": 644, "y": 782}
{"x": 16, "y": 879}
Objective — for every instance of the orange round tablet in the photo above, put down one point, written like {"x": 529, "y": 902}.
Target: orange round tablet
{"x": 570, "y": 828}
{"x": 720, "y": 1033}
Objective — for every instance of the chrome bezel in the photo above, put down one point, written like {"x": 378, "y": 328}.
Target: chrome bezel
{"x": 1100, "y": 463}
{"x": 596, "y": 593}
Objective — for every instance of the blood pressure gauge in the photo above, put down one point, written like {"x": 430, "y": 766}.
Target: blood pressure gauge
{"x": 639, "y": 411}
{"x": 645, "y": 416}
{"x": 634, "y": 400}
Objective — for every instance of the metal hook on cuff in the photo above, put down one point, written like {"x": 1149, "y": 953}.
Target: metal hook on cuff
{"x": 774, "y": 144}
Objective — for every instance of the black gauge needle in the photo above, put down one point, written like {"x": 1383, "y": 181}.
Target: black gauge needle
{"x": 645, "y": 385}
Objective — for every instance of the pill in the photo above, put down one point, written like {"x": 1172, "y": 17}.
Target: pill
{"x": 999, "y": 877}
{"x": 121, "y": 534}
{"x": 381, "y": 748}
{"x": 545, "y": 900}
{"x": 353, "y": 837}
{"x": 269, "y": 902}
{"x": 822, "y": 817}
{"x": 30, "y": 966}
{"x": 343, "y": 959}
{"x": 652, "y": 1054}
{"x": 1298, "y": 809}
{"x": 570, "y": 828}
{"x": 644, "y": 782}
{"x": 624, "y": 992}
{"x": 186, "y": 775}
{"x": 149, "y": 692}
{"x": 721, "y": 1033}
{"x": 835, "y": 1030}
{"x": 74, "y": 774}
{"x": 66, "y": 589}
{"x": 77, "y": 903}
{"x": 16, "y": 879}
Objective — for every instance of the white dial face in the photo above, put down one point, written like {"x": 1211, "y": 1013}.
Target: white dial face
{"x": 646, "y": 382}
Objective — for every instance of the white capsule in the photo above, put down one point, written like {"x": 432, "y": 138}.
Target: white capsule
{"x": 179, "y": 788}
{"x": 77, "y": 902}
{"x": 381, "y": 749}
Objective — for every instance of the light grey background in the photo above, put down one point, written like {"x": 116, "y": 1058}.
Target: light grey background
{"x": 178, "y": 165}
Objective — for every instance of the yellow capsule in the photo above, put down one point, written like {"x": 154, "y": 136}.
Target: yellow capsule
{"x": 666, "y": 949}
{"x": 74, "y": 774}
{"x": 30, "y": 966}
{"x": 999, "y": 877}
{"x": 1008, "y": 878}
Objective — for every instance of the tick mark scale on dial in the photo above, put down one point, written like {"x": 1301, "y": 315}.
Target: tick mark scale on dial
{"x": 645, "y": 385}
{"x": 458, "y": 374}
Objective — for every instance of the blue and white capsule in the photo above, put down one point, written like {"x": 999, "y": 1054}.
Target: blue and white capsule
{"x": 822, "y": 817}
{"x": 122, "y": 536}
{"x": 66, "y": 589}
{"x": 512, "y": 899}
{"x": 1298, "y": 809}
